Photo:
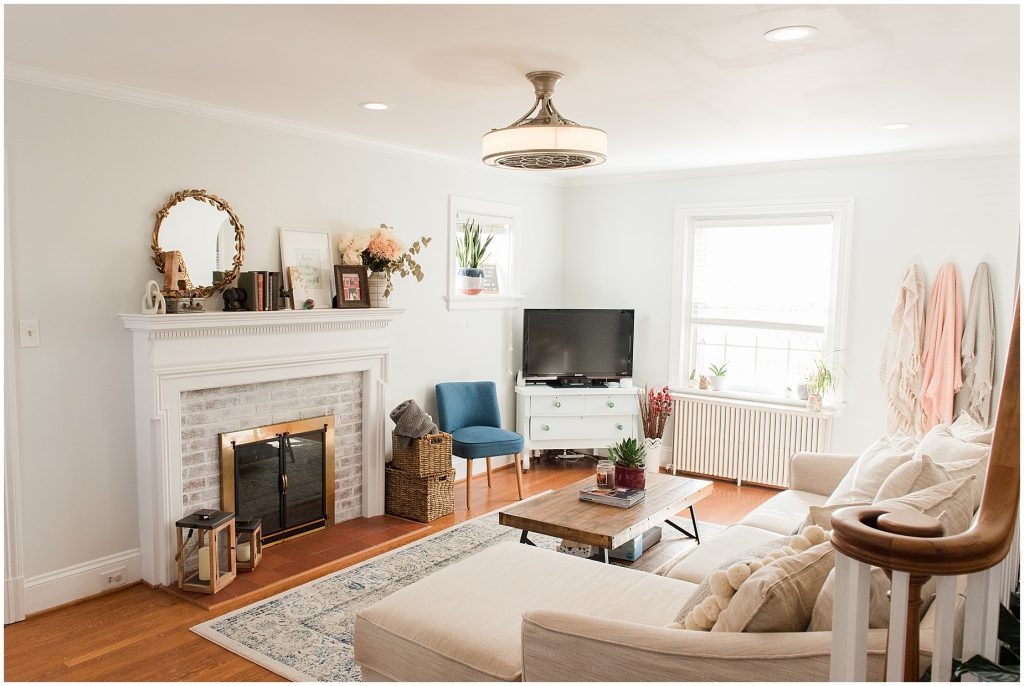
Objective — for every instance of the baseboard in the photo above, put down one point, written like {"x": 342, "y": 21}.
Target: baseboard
{"x": 14, "y": 599}
{"x": 80, "y": 581}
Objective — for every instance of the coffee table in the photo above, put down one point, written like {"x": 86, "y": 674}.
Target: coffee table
{"x": 562, "y": 514}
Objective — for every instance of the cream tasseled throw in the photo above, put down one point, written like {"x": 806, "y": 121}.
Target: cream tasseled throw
{"x": 979, "y": 349}
{"x": 900, "y": 371}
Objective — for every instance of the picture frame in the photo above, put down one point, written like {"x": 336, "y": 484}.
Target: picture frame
{"x": 308, "y": 252}
{"x": 490, "y": 282}
{"x": 352, "y": 286}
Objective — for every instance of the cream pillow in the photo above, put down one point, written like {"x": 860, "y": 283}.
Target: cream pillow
{"x": 866, "y": 475}
{"x": 954, "y": 498}
{"x": 781, "y": 595}
{"x": 966, "y": 428}
{"x": 965, "y": 468}
{"x": 942, "y": 446}
{"x": 915, "y": 475}
{"x": 878, "y": 606}
{"x": 822, "y": 516}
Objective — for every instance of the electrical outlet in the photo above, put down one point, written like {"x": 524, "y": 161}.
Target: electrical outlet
{"x": 113, "y": 577}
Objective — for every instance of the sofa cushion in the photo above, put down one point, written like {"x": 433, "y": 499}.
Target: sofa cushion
{"x": 781, "y": 595}
{"x": 866, "y": 475}
{"x": 911, "y": 476}
{"x": 463, "y": 622}
{"x": 954, "y": 498}
{"x": 822, "y": 515}
{"x": 942, "y": 446}
{"x": 783, "y": 512}
{"x": 485, "y": 441}
{"x": 698, "y": 562}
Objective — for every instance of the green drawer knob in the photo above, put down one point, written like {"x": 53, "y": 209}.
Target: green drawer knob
{"x": 545, "y": 427}
{"x": 619, "y": 427}
{"x": 611, "y": 404}
{"x": 558, "y": 403}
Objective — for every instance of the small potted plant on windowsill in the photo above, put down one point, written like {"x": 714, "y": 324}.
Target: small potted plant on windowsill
{"x": 819, "y": 382}
{"x": 717, "y": 378}
{"x": 470, "y": 253}
{"x": 629, "y": 457}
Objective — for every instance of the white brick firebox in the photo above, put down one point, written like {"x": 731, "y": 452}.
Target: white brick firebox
{"x": 177, "y": 355}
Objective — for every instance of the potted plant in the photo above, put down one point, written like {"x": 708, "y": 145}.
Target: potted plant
{"x": 718, "y": 375}
{"x": 655, "y": 409}
{"x": 692, "y": 381}
{"x": 470, "y": 253}
{"x": 819, "y": 382}
{"x": 628, "y": 456}
{"x": 383, "y": 254}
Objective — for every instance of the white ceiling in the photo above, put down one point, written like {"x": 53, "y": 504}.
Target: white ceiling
{"x": 675, "y": 86}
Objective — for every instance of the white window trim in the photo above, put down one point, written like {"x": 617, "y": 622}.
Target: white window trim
{"x": 512, "y": 297}
{"x": 840, "y": 209}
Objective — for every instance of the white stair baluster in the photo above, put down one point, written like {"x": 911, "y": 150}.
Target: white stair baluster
{"x": 900, "y": 596}
{"x": 850, "y": 620}
{"x": 945, "y": 616}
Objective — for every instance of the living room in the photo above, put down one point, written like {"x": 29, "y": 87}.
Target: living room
{"x": 750, "y": 207}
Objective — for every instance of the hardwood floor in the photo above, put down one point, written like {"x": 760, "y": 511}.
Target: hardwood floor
{"x": 142, "y": 634}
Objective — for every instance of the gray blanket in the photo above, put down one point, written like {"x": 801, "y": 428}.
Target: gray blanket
{"x": 411, "y": 422}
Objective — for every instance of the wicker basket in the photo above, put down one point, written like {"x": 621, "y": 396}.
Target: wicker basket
{"x": 423, "y": 499}
{"x": 425, "y": 456}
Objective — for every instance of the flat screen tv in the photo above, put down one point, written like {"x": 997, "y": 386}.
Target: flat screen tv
{"x": 585, "y": 344}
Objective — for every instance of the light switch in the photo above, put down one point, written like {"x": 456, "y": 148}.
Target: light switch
{"x": 29, "y": 333}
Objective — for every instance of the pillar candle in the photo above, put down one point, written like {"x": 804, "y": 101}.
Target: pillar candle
{"x": 204, "y": 563}
{"x": 243, "y": 552}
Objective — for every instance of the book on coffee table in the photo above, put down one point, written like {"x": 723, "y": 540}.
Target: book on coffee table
{"x": 619, "y": 497}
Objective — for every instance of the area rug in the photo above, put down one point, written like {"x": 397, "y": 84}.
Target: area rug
{"x": 305, "y": 633}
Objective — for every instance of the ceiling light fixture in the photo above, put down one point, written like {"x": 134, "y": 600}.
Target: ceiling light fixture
{"x": 897, "y": 125}
{"x": 542, "y": 138}
{"x": 375, "y": 106}
{"x": 788, "y": 34}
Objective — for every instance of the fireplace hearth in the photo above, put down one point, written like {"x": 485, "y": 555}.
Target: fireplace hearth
{"x": 282, "y": 473}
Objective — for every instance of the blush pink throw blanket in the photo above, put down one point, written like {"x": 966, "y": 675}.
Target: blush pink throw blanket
{"x": 944, "y": 327}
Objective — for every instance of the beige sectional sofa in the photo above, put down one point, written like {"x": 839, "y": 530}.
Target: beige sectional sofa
{"x": 516, "y": 612}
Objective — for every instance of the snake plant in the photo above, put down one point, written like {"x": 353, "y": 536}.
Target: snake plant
{"x": 471, "y": 252}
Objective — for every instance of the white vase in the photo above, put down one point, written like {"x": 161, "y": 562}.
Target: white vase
{"x": 378, "y": 284}
{"x": 717, "y": 382}
{"x": 653, "y": 448}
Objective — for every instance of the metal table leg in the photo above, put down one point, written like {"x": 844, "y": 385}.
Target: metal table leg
{"x": 525, "y": 538}
{"x": 693, "y": 519}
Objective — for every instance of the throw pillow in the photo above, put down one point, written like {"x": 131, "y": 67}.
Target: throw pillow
{"x": 942, "y": 446}
{"x": 822, "y": 516}
{"x": 780, "y": 596}
{"x": 878, "y": 604}
{"x": 866, "y": 475}
{"x": 914, "y": 475}
{"x": 954, "y": 498}
{"x": 966, "y": 428}
{"x": 965, "y": 468}
{"x": 701, "y": 609}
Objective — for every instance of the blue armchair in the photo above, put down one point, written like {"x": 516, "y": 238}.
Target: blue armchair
{"x": 469, "y": 412}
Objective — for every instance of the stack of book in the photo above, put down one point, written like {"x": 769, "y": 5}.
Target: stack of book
{"x": 619, "y": 497}
{"x": 262, "y": 290}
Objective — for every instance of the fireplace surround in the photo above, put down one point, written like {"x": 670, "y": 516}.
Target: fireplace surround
{"x": 177, "y": 353}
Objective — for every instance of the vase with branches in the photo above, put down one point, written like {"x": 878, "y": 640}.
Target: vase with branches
{"x": 819, "y": 382}
{"x": 470, "y": 253}
{"x": 655, "y": 409}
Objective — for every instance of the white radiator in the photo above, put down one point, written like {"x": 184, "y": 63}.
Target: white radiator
{"x": 741, "y": 440}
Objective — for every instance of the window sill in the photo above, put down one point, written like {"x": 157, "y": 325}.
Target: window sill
{"x": 829, "y": 408}
{"x": 484, "y": 302}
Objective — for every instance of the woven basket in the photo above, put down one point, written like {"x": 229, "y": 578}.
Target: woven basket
{"x": 423, "y": 499}
{"x": 425, "y": 456}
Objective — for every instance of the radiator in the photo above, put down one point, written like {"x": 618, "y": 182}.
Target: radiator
{"x": 745, "y": 441}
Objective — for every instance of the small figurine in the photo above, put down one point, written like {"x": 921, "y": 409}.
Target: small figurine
{"x": 153, "y": 300}
{"x": 705, "y": 383}
{"x": 234, "y": 299}
{"x": 309, "y": 304}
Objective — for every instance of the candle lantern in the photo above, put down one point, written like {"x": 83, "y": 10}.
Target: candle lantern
{"x": 216, "y": 547}
{"x": 249, "y": 544}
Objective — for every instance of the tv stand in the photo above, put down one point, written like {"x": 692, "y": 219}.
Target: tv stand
{"x": 577, "y": 382}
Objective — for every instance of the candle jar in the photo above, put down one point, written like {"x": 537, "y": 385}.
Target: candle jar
{"x": 249, "y": 545}
{"x": 605, "y": 474}
{"x": 215, "y": 548}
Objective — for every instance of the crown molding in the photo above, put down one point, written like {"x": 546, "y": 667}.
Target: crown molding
{"x": 138, "y": 96}
{"x": 797, "y": 165}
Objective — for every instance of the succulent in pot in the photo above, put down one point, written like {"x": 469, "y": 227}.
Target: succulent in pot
{"x": 470, "y": 253}
{"x": 629, "y": 457}
{"x": 717, "y": 378}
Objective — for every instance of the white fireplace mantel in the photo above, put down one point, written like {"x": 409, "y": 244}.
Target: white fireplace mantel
{"x": 174, "y": 353}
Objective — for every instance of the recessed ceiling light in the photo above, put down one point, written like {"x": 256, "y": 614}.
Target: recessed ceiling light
{"x": 896, "y": 125}
{"x": 788, "y": 34}
{"x": 375, "y": 106}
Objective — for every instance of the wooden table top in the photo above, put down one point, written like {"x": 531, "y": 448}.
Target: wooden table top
{"x": 563, "y": 515}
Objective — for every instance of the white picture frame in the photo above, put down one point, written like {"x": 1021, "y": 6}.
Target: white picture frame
{"x": 310, "y": 252}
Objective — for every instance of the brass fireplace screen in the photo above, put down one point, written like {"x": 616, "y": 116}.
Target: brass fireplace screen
{"x": 282, "y": 473}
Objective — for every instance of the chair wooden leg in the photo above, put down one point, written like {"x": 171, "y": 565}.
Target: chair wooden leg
{"x": 469, "y": 484}
{"x": 488, "y": 472}
{"x": 519, "y": 474}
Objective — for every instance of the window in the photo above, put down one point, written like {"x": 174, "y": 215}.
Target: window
{"x": 499, "y": 283}
{"x": 759, "y": 289}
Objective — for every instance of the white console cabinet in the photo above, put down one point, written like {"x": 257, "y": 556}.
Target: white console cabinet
{"x": 567, "y": 418}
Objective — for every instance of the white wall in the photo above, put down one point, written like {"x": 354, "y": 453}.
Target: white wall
{"x": 86, "y": 176}
{"x": 618, "y": 251}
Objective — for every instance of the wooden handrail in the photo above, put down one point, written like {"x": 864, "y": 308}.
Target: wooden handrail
{"x": 857, "y": 533}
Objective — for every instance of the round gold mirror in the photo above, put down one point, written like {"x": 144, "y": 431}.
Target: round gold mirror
{"x": 197, "y": 234}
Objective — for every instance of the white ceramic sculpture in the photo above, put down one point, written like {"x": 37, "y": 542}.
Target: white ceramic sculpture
{"x": 153, "y": 300}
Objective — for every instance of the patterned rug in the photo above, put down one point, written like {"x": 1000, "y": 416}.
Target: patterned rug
{"x": 305, "y": 633}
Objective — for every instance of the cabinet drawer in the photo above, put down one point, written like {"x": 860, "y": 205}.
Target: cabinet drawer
{"x": 568, "y": 428}
{"x": 556, "y": 404}
{"x": 610, "y": 404}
